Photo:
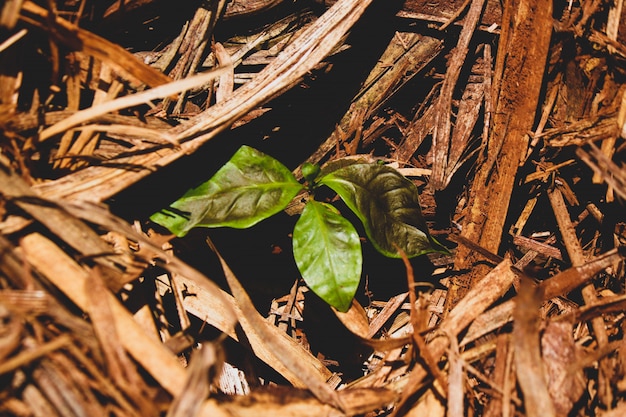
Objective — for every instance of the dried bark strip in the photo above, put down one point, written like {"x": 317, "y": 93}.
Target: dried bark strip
{"x": 72, "y": 280}
{"x": 380, "y": 85}
{"x": 539, "y": 247}
{"x": 206, "y": 307}
{"x": 560, "y": 284}
{"x": 275, "y": 342}
{"x": 477, "y": 300}
{"x": 590, "y": 297}
{"x": 526, "y": 31}
{"x": 74, "y": 37}
{"x": 74, "y": 232}
{"x": 99, "y": 183}
{"x": 528, "y": 363}
{"x": 442, "y": 145}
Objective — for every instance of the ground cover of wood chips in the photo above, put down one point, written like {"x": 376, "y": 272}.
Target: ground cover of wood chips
{"x": 509, "y": 117}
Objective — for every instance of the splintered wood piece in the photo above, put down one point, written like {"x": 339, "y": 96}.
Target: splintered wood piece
{"x": 72, "y": 88}
{"x": 467, "y": 116}
{"x": 517, "y": 87}
{"x": 558, "y": 349}
{"x": 10, "y": 13}
{"x": 544, "y": 171}
{"x": 132, "y": 100}
{"x": 119, "y": 366}
{"x": 501, "y": 371}
{"x": 227, "y": 80}
{"x": 195, "y": 39}
{"x": 539, "y": 247}
{"x": 86, "y": 142}
{"x": 528, "y": 362}
{"x": 72, "y": 280}
{"x": 276, "y": 343}
{"x": 442, "y": 135}
{"x": 71, "y": 35}
{"x": 74, "y": 232}
{"x": 456, "y": 380}
{"x": 611, "y": 173}
{"x": 97, "y": 183}
{"x": 521, "y": 221}
{"x": 493, "y": 286}
{"x": 578, "y": 258}
{"x": 582, "y": 132}
{"x": 27, "y": 357}
{"x": 203, "y": 306}
{"x": 390, "y": 308}
{"x": 417, "y": 132}
{"x": 560, "y": 284}
{"x": 204, "y": 369}
{"x": 545, "y": 115}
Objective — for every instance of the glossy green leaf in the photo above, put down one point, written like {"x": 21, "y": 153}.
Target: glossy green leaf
{"x": 250, "y": 187}
{"x": 388, "y": 205}
{"x": 327, "y": 251}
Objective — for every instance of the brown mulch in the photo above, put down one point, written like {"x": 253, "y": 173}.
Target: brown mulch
{"x": 508, "y": 116}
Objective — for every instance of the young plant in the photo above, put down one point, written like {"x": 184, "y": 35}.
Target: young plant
{"x": 253, "y": 186}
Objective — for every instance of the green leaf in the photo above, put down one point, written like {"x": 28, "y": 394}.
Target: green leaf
{"x": 310, "y": 171}
{"x": 327, "y": 251}
{"x": 388, "y": 205}
{"x": 250, "y": 187}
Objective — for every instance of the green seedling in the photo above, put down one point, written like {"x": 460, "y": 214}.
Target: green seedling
{"x": 253, "y": 186}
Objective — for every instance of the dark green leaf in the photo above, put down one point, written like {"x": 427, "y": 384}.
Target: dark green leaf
{"x": 327, "y": 250}
{"x": 335, "y": 164}
{"x": 388, "y": 205}
{"x": 250, "y": 187}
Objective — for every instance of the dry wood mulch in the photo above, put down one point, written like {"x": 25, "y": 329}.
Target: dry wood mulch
{"x": 510, "y": 117}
